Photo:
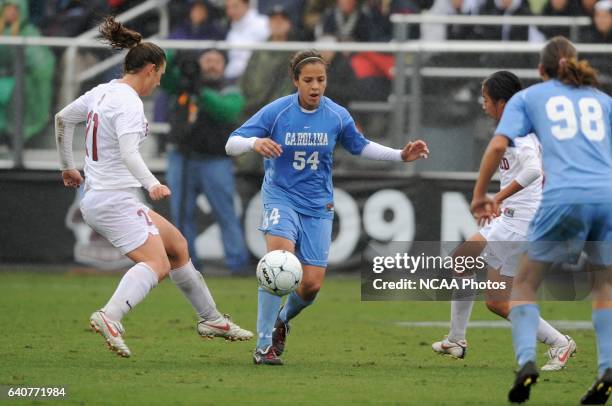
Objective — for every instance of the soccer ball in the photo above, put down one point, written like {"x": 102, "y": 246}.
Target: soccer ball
{"x": 279, "y": 272}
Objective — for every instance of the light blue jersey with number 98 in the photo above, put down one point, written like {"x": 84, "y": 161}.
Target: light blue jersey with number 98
{"x": 302, "y": 176}
{"x": 573, "y": 126}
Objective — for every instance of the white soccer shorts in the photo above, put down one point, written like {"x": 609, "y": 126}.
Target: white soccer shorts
{"x": 504, "y": 247}
{"x": 119, "y": 216}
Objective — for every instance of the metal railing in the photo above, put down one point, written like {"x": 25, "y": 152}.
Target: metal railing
{"x": 72, "y": 81}
{"x": 401, "y": 23}
{"x": 427, "y": 18}
{"x": 399, "y": 103}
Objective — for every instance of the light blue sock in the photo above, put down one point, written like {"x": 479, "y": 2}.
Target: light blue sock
{"x": 267, "y": 310}
{"x": 293, "y": 306}
{"x": 602, "y": 320}
{"x": 525, "y": 319}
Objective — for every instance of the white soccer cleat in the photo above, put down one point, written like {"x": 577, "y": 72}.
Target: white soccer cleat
{"x": 455, "y": 350}
{"x": 223, "y": 327}
{"x": 112, "y": 331}
{"x": 558, "y": 356}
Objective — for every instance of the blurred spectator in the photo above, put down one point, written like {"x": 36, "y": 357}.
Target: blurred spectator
{"x": 379, "y": 13}
{"x": 179, "y": 11}
{"x": 341, "y": 81}
{"x": 204, "y": 113}
{"x": 268, "y": 79}
{"x": 441, "y": 32}
{"x": 346, "y": 21}
{"x": 39, "y": 67}
{"x": 600, "y": 32}
{"x": 459, "y": 93}
{"x": 425, "y": 4}
{"x": 587, "y": 7}
{"x": 294, "y": 9}
{"x": 559, "y": 8}
{"x": 198, "y": 26}
{"x": 506, "y": 32}
{"x": 38, "y": 11}
{"x": 313, "y": 14}
{"x": 119, "y": 6}
{"x": 246, "y": 25}
{"x": 147, "y": 24}
{"x": 373, "y": 73}
{"x": 73, "y": 17}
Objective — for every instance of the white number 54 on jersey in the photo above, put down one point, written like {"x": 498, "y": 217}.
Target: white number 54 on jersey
{"x": 561, "y": 108}
{"x": 300, "y": 161}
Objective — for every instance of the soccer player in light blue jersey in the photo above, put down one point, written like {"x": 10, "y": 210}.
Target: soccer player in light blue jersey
{"x": 571, "y": 118}
{"x": 296, "y": 135}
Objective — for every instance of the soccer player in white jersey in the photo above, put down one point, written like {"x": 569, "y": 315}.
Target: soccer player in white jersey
{"x": 503, "y": 239}
{"x": 114, "y": 171}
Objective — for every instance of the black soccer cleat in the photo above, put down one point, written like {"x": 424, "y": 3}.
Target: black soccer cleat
{"x": 279, "y": 335}
{"x": 266, "y": 356}
{"x": 601, "y": 390}
{"x": 525, "y": 377}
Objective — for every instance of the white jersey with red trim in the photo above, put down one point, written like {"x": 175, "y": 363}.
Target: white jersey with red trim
{"x": 112, "y": 109}
{"x": 519, "y": 209}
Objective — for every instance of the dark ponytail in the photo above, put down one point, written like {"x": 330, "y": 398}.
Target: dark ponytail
{"x": 502, "y": 85}
{"x": 559, "y": 60}
{"x": 577, "y": 73}
{"x": 140, "y": 53}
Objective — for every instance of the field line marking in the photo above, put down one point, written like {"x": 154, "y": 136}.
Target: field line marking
{"x": 560, "y": 324}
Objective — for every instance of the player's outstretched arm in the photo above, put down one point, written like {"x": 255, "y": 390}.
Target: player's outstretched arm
{"x": 411, "y": 152}
{"x": 481, "y": 204}
{"x": 415, "y": 150}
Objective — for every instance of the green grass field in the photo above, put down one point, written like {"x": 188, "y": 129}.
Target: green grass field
{"x": 340, "y": 351}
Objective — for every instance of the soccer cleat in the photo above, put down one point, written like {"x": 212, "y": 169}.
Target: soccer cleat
{"x": 279, "y": 335}
{"x": 455, "y": 350}
{"x": 601, "y": 390}
{"x": 223, "y": 327}
{"x": 112, "y": 331}
{"x": 558, "y": 356}
{"x": 525, "y": 377}
{"x": 266, "y": 356}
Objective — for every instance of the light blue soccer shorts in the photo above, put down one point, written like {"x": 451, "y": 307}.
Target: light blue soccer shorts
{"x": 561, "y": 232}
{"x": 311, "y": 235}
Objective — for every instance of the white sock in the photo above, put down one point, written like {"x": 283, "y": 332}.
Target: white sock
{"x": 461, "y": 310}
{"x": 549, "y": 335}
{"x": 192, "y": 284}
{"x": 133, "y": 287}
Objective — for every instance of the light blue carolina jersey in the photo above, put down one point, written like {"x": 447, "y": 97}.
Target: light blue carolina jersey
{"x": 302, "y": 176}
{"x": 573, "y": 125}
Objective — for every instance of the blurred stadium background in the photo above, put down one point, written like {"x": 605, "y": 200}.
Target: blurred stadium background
{"x": 405, "y": 69}
{"x": 442, "y": 48}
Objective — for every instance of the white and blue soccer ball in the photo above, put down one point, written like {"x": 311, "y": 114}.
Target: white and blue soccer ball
{"x": 279, "y": 272}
